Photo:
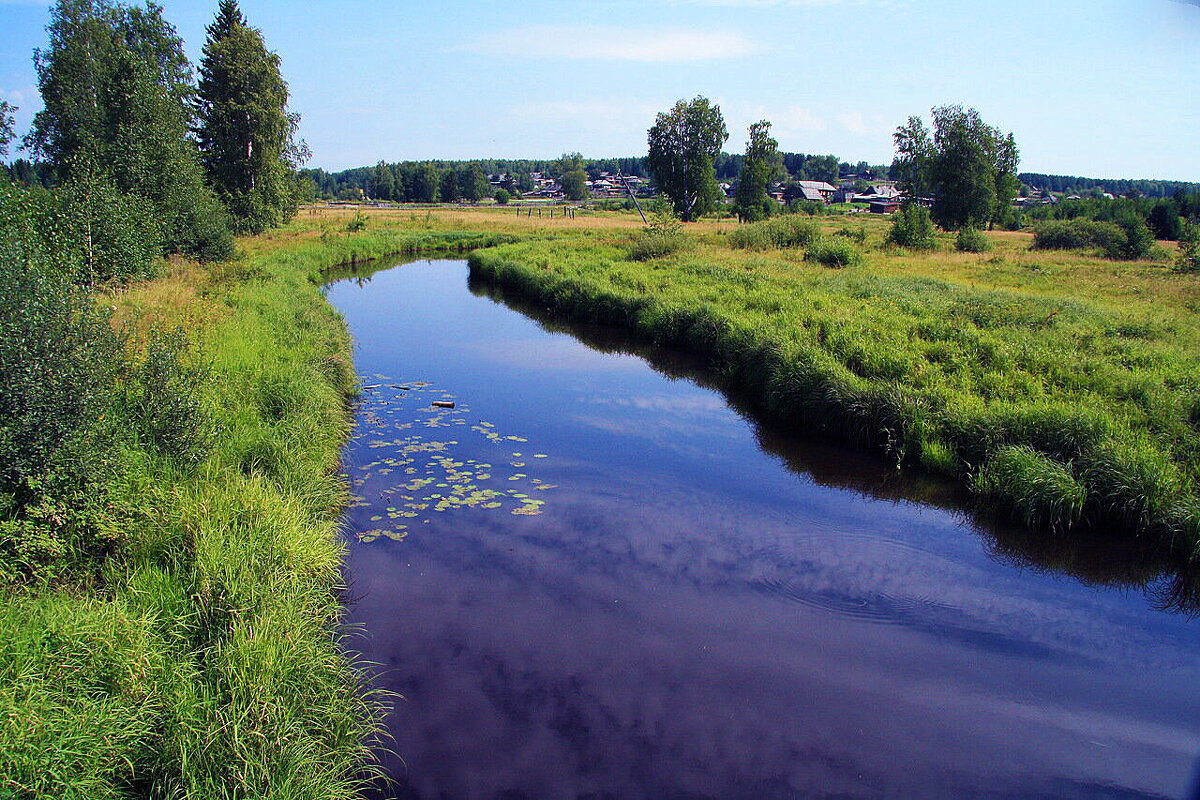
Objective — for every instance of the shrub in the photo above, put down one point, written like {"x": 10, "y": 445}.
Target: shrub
{"x": 165, "y": 400}
{"x": 972, "y": 240}
{"x": 661, "y": 237}
{"x": 357, "y": 222}
{"x": 58, "y": 356}
{"x": 1134, "y": 242}
{"x": 857, "y": 235}
{"x": 833, "y": 252}
{"x": 912, "y": 227}
{"x": 1075, "y": 234}
{"x": 654, "y": 244}
{"x": 502, "y": 196}
{"x": 776, "y": 233}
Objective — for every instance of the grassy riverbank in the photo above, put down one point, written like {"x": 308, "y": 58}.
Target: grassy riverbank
{"x": 199, "y": 654}
{"x": 1061, "y": 387}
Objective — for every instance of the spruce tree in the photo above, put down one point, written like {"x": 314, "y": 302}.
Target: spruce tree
{"x": 246, "y": 134}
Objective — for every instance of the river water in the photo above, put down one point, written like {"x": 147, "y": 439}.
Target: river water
{"x": 595, "y": 576}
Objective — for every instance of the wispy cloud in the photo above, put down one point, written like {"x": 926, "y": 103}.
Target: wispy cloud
{"x": 612, "y": 43}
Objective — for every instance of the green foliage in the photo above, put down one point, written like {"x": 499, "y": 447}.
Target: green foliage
{"x": 165, "y": 400}
{"x": 774, "y": 234}
{"x": 502, "y": 197}
{"x": 114, "y": 233}
{"x": 246, "y": 134}
{"x": 574, "y": 184}
{"x": 448, "y": 187}
{"x": 912, "y": 227}
{"x": 472, "y": 184}
{"x": 58, "y": 357}
{"x": 967, "y": 167}
{"x": 1076, "y": 234}
{"x": 6, "y": 126}
{"x": 857, "y": 235}
{"x": 972, "y": 240}
{"x": 683, "y": 144}
{"x": 661, "y": 237}
{"x": 762, "y": 165}
{"x": 1135, "y": 241}
{"x": 1040, "y": 491}
{"x": 117, "y": 92}
{"x": 833, "y": 251}
{"x": 357, "y": 223}
{"x": 383, "y": 185}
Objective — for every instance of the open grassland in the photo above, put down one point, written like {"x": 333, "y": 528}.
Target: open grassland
{"x": 200, "y": 655}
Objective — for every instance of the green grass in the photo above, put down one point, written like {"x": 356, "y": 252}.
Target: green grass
{"x": 907, "y": 353}
{"x": 201, "y": 655}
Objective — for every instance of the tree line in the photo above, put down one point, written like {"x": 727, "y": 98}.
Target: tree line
{"x": 135, "y": 158}
{"x": 1071, "y": 184}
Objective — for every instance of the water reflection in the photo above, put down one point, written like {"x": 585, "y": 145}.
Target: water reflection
{"x": 1090, "y": 555}
{"x": 693, "y": 616}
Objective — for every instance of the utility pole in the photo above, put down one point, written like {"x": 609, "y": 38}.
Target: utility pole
{"x": 632, "y": 196}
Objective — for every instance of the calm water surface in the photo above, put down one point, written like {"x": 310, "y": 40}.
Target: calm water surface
{"x": 594, "y": 577}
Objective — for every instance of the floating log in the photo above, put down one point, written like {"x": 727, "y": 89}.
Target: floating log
{"x": 443, "y": 404}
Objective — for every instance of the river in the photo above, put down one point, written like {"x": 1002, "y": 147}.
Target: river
{"x": 598, "y": 576}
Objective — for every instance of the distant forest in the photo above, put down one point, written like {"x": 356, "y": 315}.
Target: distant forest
{"x": 1071, "y": 184}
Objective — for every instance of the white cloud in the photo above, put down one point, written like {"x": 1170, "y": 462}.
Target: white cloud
{"x": 611, "y": 43}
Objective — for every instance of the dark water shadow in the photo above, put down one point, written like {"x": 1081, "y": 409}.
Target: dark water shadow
{"x": 1093, "y": 556}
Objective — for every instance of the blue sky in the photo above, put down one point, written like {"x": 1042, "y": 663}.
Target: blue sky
{"x": 1104, "y": 88}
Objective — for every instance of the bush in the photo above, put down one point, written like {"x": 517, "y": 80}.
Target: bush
{"x": 1076, "y": 234}
{"x": 971, "y": 240}
{"x": 1188, "y": 259}
{"x": 912, "y": 227}
{"x": 165, "y": 401}
{"x": 660, "y": 238}
{"x": 357, "y": 222}
{"x": 655, "y": 244}
{"x": 502, "y": 197}
{"x": 58, "y": 356}
{"x": 776, "y": 233}
{"x": 834, "y": 252}
{"x": 857, "y": 235}
{"x": 1134, "y": 242}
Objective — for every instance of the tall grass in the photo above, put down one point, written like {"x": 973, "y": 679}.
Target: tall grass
{"x": 789, "y": 230}
{"x": 1098, "y": 398}
{"x": 200, "y": 653}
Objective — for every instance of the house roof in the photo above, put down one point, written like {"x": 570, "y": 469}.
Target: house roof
{"x": 810, "y": 193}
{"x": 820, "y": 186}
